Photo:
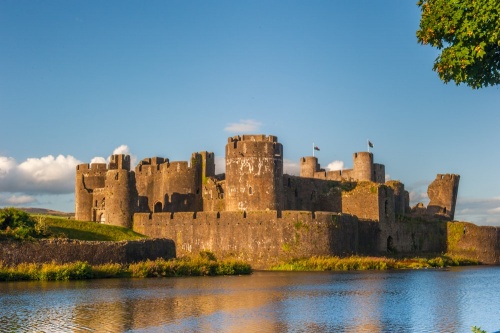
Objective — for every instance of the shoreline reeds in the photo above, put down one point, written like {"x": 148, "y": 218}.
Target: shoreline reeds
{"x": 186, "y": 266}
{"x": 333, "y": 263}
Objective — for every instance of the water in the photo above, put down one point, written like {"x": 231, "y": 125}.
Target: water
{"x": 398, "y": 301}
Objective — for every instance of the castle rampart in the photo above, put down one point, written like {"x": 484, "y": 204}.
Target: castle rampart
{"x": 259, "y": 237}
{"x": 257, "y": 213}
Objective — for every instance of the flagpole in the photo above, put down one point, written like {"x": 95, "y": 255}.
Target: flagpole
{"x": 313, "y": 149}
{"x": 368, "y": 144}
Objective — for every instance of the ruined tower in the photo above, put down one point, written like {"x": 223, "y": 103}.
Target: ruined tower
{"x": 119, "y": 192}
{"x": 443, "y": 193}
{"x": 254, "y": 173}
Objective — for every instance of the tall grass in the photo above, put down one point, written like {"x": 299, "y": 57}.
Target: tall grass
{"x": 186, "y": 266}
{"x": 369, "y": 263}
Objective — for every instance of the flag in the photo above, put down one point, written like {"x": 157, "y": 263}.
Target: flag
{"x": 316, "y": 148}
{"x": 370, "y": 144}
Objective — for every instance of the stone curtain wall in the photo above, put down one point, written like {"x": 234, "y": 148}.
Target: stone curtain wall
{"x": 93, "y": 252}
{"x": 414, "y": 237}
{"x": 258, "y": 237}
{"x": 470, "y": 241}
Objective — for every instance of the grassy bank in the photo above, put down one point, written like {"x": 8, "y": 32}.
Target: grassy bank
{"x": 16, "y": 224}
{"x": 370, "y": 263}
{"x": 56, "y": 226}
{"x": 189, "y": 266}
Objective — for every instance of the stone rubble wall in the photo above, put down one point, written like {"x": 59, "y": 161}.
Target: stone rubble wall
{"x": 94, "y": 252}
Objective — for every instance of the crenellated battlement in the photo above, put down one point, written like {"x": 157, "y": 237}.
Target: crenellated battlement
{"x": 185, "y": 199}
{"x": 448, "y": 177}
{"x": 119, "y": 161}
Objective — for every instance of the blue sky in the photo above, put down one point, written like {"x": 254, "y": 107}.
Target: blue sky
{"x": 82, "y": 79}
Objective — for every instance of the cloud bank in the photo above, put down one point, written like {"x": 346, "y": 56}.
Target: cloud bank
{"x": 25, "y": 183}
{"x": 49, "y": 174}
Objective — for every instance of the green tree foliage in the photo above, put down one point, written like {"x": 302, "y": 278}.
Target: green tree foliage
{"x": 15, "y": 223}
{"x": 468, "y": 33}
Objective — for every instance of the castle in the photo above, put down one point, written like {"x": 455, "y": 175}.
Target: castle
{"x": 256, "y": 212}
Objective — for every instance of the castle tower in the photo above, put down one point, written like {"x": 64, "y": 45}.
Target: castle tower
{"x": 363, "y": 166}
{"x": 443, "y": 192}
{"x": 308, "y": 166}
{"x": 207, "y": 164}
{"x": 401, "y": 197}
{"x": 118, "y": 192}
{"x": 89, "y": 178}
{"x": 254, "y": 173}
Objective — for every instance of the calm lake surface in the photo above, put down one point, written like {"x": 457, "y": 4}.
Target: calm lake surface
{"x": 449, "y": 300}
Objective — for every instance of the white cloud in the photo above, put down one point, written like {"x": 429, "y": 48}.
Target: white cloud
{"x": 35, "y": 178}
{"x": 123, "y": 149}
{"x": 220, "y": 165}
{"x": 243, "y": 126}
{"x": 481, "y": 211}
{"x": 47, "y": 174}
{"x": 97, "y": 160}
{"x": 16, "y": 200}
{"x": 416, "y": 197}
{"x": 6, "y": 165}
{"x": 291, "y": 168}
{"x": 494, "y": 210}
{"x": 335, "y": 165}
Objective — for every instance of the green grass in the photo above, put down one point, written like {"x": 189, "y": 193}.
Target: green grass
{"x": 186, "y": 266}
{"x": 369, "y": 263}
{"x": 82, "y": 230}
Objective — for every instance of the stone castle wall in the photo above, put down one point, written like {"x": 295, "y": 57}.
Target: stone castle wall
{"x": 471, "y": 241}
{"x": 95, "y": 253}
{"x": 258, "y": 237}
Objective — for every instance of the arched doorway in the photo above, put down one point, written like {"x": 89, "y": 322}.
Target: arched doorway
{"x": 158, "y": 207}
{"x": 390, "y": 244}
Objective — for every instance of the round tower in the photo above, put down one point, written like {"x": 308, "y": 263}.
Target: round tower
{"x": 254, "y": 173}
{"x": 88, "y": 179}
{"x": 308, "y": 166}
{"x": 118, "y": 192}
{"x": 363, "y": 166}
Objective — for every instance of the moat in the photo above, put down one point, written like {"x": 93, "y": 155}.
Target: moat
{"x": 450, "y": 300}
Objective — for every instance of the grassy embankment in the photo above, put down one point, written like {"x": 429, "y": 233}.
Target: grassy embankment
{"x": 203, "y": 264}
{"x": 370, "y": 263}
{"x": 16, "y": 225}
{"x": 55, "y": 226}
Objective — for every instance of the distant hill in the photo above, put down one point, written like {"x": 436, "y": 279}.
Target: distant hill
{"x": 44, "y": 211}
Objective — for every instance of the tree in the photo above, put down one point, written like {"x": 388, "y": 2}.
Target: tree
{"x": 468, "y": 33}
{"x": 16, "y": 223}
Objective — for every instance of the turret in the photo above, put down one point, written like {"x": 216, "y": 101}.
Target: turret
{"x": 119, "y": 192}
{"x": 363, "y": 166}
{"x": 89, "y": 177}
{"x": 309, "y": 166}
{"x": 254, "y": 173}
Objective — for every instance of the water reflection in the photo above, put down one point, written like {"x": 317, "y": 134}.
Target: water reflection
{"x": 401, "y": 301}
